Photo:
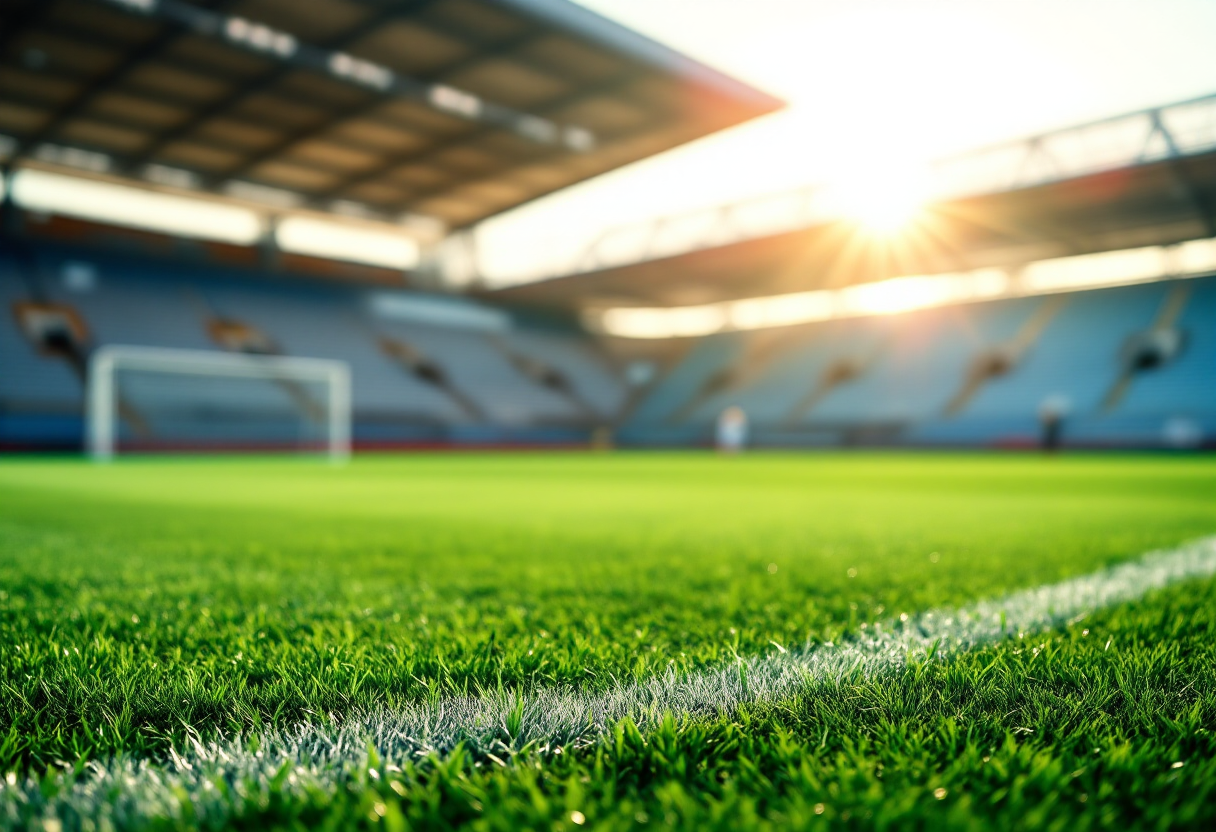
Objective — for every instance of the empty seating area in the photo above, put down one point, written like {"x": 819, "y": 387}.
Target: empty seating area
{"x": 1131, "y": 366}
{"x": 468, "y": 387}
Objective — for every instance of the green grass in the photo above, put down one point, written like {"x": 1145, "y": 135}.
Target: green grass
{"x": 154, "y": 600}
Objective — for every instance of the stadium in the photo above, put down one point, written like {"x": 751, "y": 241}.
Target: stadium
{"x": 398, "y": 429}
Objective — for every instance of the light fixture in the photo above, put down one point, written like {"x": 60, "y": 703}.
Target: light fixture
{"x": 341, "y": 241}
{"x": 105, "y": 202}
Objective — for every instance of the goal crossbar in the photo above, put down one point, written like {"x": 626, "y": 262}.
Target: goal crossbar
{"x": 102, "y": 402}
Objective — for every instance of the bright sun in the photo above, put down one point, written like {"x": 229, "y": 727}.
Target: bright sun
{"x": 883, "y": 201}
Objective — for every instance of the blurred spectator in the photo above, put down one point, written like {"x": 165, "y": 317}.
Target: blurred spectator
{"x": 1180, "y": 432}
{"x": 732, "y": 430}
{"x": 1052, "y": 413}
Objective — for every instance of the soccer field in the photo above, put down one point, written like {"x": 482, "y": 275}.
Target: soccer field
{"x": 398, "y": 643}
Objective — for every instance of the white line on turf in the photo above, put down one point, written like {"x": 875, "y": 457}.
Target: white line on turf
{"x": 210, "y": 781}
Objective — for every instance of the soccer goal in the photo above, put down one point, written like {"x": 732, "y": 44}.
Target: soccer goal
{"x": 170, "y": 399}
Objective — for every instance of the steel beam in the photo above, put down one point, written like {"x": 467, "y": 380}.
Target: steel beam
{"x": 249, "y": 87}
{"x": 103, "y": 82}
{"x": 288, "y": 51}
{"x": 246, "y": 118}
{"x": 18, "y": 21}
{"x": 428, "y": 154}
{"x": 1199, "y": 199}
{"x": 362, "y": 109}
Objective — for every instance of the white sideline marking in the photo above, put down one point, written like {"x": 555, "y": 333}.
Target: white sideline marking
{"x": 211, "y": 781}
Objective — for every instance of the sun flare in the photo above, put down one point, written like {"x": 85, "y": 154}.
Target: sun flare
{"x": 884, "y": 202}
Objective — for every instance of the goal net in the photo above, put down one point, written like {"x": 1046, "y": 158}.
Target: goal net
{"x": 150, "y": 398}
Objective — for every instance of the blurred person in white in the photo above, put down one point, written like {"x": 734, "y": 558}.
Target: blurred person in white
{"x": 732, "y": 430}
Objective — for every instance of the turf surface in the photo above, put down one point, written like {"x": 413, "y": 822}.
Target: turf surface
{"x": 152, "y": 601}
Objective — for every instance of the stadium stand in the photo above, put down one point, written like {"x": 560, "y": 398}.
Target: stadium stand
{"x": 1136, "y": 364}
{"x": 400, "y": 121}
{"x": 896, "y": 379}
{"x": 473, "y": 389}
{"x": 383, "y": 117}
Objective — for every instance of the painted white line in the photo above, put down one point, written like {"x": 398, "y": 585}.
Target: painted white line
{"x": 210, "y": 781}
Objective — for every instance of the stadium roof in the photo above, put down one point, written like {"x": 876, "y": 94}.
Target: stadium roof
{"x": 453, "y": 109}
{"x": 1141, "y": 179}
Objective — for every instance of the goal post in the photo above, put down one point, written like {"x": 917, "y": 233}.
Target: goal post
{"x": 106, "y": 407}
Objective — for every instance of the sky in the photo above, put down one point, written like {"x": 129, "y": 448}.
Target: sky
{"x": 893, "y": 83}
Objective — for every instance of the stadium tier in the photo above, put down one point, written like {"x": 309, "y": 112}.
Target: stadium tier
{"x": 1133, "y": 366}
{"x": 170, "y": 134}
{"x": 421, "y": 373}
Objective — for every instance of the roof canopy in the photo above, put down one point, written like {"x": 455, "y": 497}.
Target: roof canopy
{"x": 454, "y": 109}
{"x": 1140, "y": 179}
